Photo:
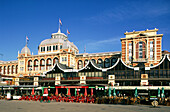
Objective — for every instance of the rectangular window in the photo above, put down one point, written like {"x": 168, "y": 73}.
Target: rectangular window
{"x": 151, "y": 57}
{"x": 42, "y": 49}
{"x": 54, "y": 48}
{"x": 151, "y": 50}
{"x": 21, "y": 62}
{"x": 64, "y": 58}
{"x": 21, "y": 68}
{"x": 48, "y": 48}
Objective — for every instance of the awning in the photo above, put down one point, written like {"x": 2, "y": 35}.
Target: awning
{"x": 71, "y": 86}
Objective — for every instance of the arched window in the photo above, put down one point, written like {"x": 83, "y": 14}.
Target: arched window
{"x": 80, "y": 64}
{"x": 55, "y": 60}
{"x": 8, "y": 70}
{"x": 140, "y": 50}
{"x": 30, "y": 65}
{"x": 42, "y": 64}
{"x": 36, "y": 64}
{"x": 107, "y": 63}
{"x": 48, "y": 63}
{"x": 5, "y": 70}
{"x": 12, "y": 69}
{"x": 16, "y": 69}
{"x": 85, "y": 62}
{"x": 93, "y": 60}
{"x": 113, "y": 61}
{"x": 100, "y": 63}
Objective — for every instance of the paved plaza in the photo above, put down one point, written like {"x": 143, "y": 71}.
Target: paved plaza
{"x": 33, "y": 106}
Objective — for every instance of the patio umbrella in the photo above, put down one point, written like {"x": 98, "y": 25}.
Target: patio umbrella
{"x": 75, "y": 92}
{"x": 110, "y": 92}
{"x": 159, "y": 92}
{"x": 45, "y": 91}
{"x": 56, "y": 91}
{"x": 32, "y": 91}
{"x": 136, "y": 92}
{"x": 162, "y": 93}
{"x": 69, "y": 94}
{"x": 114, "y": 92}
{"x": 91, "y": 91}
{"x": 67, "y": 91}
{"x": 85, "y": 93}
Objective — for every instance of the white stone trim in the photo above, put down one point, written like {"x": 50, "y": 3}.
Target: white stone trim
{"x": 84, "y": 66}
{"x": 114, "y": 64}
{"x": 158, "y": 63}
{"x": 126, "y": 65}
{"x": 168, "y": 56}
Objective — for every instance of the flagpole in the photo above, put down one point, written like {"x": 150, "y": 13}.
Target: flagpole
{"x": 59, "y": 23}
{"x": 26, "y": 40}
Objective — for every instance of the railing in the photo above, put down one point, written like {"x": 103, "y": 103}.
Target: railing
{"x": 140, "y": 60}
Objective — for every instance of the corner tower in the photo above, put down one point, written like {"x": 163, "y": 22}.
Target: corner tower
{"x": 142, "y": 46}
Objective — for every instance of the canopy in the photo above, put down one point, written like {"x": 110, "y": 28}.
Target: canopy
{"x": 68, "y": 92}
{"x": 136, "y": 92}
{"x": 56, "y": 91}
{"x": 163, "y": 95}
{"x": 91, "y": 91}
{"x": 45, "y": 91}
{"x": 114, "y": 92}
{"x": 85, "y": 93}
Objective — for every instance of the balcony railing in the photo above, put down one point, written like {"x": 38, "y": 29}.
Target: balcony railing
{"x": 140, "y": 60}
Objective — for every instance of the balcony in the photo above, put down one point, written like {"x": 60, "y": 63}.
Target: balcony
{"x": 144, "y": 60}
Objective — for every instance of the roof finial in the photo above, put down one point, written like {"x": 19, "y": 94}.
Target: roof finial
{"x": 59, "y": 31}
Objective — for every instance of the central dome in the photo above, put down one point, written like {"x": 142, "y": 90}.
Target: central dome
{"x": 57, "y": 39}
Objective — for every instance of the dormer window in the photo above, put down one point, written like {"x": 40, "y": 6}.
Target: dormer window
{"x": 42, "y": 49}
{"x": 48, "y": 48}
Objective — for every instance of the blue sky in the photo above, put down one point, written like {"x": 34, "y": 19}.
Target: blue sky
{"x": 96, "y": 24}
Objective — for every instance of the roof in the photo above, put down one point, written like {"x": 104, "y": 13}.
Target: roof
{"x": 58, "y": 38}
{"x": 26, "y": 49}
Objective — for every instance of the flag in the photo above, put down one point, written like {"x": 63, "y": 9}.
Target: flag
{"x": 27, "y": 38}
{"x": 68, "y": 32}
{"x": 60, "y": 22}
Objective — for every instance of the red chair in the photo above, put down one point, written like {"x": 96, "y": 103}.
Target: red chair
{"x": 27, "y": 98}
{"x": 90, "y": 100}
{"x": 71, "y": 99}
{"x": 35, "y": 98}
{"x": 61, "y": 99}
{"x": 57, "y": 99}
{"x": 81, "y": 99}
{"x": 22, "y": 98}
{"x": 66, "y": 99}
{"x": 77, "y": 99}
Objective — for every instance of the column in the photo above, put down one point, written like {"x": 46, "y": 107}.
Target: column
{"x": 134, "y": 53}
{"x": 155, "y": 55}
{"x": 147, "y": 48}
{"x": 126, "y": 51}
